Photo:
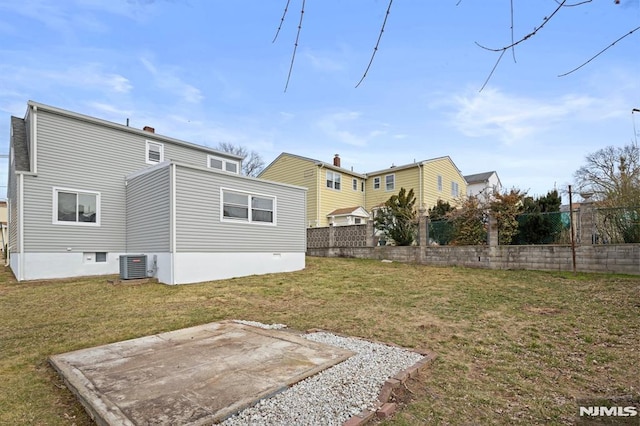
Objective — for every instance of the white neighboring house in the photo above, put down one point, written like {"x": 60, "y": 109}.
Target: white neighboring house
{"x": 482, "y": 185}
{"x": 348, "y": 216}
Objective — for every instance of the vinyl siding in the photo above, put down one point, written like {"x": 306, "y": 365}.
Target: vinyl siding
{"x": 332, "y": 199}
{"x": 198, "y": 224}
{"x": 405, "y": 178}
{"x": 13, "y": 205}
{"x": 82, "y": 155}
{"x": 445, "y": 168}
{"x": 300, "y": 172}
{"x": 148, "y": 203}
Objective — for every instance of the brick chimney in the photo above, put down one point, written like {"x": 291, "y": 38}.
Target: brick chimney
{"x": 336, "y": 160}
{"x": 149, "y": 129}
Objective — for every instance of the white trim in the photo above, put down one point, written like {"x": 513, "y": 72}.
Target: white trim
{"x": 374, "y": 183}
{"x": 394, "y": 182}
{"x": 224, "y": 163}
{"x": 160, "y": 147}
{"x": 147, "y": 170}
{"x": 333, "y": 180}
{"x": 249, "y": 195}
{"x": 21, "y": 227}
{"x": 34, "y": 153}
{"x": 54, "y": 207}
{"x": 172, "y": 225}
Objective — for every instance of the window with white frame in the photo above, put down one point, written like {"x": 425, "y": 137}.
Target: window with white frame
{"x": 355, "y": 184}
{"x": 333, "y": 180}
{"x": 454, "y": 189}
{"x": 390, "y": 182}
{"x": 155, "y": 152}
{"x": 73, "y": 207}
{"x": 439, "y": 183}
{"x": 245, "y": 207}
{"x": 376, "y": 183}
{"x": 220, "y": 163}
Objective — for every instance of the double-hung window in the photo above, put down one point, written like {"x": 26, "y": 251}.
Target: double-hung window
{"x": 390, "y": 182}
{"x": 454, "y": 189}
{"x": 376, "y": 183}
{"x": 439, "y": 183}
{"x": 354, "y": 184}
{"x": 155, "y": 152}
{"x": 333, "y": 180}
{"x": 73, "y": 207}
{"x": 220, "y": 163}
{"x": 246, "y": 207}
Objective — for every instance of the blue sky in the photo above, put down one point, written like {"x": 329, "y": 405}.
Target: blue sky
{"x": 206, "y": 71}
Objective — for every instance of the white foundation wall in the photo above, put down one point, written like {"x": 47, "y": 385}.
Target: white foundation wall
{"x": 37, "y": 266}
{"x": 199, "y": 267}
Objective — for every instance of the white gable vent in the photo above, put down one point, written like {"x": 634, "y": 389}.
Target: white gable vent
{"x": 133, "y": 266}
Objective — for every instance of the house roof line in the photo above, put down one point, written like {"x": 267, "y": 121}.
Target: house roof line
{"x": 316, "y": 163}
{"x": 414, "y": 164}
{"x": 129, "y": 129}
{"x": 209, "y": 170}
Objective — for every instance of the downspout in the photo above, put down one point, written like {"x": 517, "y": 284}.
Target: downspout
{"x": 34, "y": 141}
{"x": 318, "y": 197}
{"x": 421, "y": 176}
{"x": 21, "y": 225}
{"x": 172, "y": 222}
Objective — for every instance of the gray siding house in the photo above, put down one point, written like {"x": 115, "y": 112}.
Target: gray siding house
{"x": 83, "y": 191}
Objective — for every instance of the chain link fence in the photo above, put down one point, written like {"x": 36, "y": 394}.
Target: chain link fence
{"x": 616, "y": 225}
{"x": 543, "y": 228}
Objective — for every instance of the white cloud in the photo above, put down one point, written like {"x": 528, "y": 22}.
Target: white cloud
{"x": 323, "y": 62}
{"x": 167, "y": 80}
{"x": 348, "y": 128}
{"x": 512, "y": 118}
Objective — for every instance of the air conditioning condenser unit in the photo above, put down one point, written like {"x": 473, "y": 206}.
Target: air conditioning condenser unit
{"x": 133, "y": 266}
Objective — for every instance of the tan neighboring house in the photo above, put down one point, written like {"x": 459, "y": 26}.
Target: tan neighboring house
{"x": 339, "y": 196}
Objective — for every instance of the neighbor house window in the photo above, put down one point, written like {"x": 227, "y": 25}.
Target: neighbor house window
{"x": 390, "y": 182}
{"x": 376, "y": 183}
{"x": 223, "y": 164}
{"x": 155, "y": 152}
{"x": 439, "y": 183}
{"x": 72, "y": 207}
{"x": 355, "y": 184}
{"x": 333, "y": 180}
{"x": 245, "y": 207}
{"x": 454, "y": 189}
{"x": 362, "y": 187}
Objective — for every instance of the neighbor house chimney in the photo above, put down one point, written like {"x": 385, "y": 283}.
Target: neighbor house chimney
{"x": 336, "y": 160}
{"x": 149, "y": 129}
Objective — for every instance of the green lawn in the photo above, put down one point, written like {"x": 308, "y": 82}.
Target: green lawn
{"x": 513, "y": 346}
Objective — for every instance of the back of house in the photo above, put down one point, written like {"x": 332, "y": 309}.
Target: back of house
{"x": 70, "y": 209}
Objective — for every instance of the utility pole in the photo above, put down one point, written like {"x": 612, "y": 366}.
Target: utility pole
{"x": 573, "y": 233}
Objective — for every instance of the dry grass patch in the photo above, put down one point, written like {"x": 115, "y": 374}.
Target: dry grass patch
{"x": 514, "y": 346}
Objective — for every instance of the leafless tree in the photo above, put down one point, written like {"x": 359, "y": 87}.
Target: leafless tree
{"x": 612, "y": 175}
{"x": 252, "y": 164}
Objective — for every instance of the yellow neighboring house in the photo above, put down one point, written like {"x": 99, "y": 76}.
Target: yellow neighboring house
{"x": 330, "y": 187}
{"x": 339, "y": 196}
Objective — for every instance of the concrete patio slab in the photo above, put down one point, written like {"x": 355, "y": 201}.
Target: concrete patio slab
{"x": 194, "y": 376}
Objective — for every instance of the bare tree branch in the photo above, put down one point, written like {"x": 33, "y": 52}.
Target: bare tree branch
{"x": 513, "y": 49}
{"x": 295, "y": 47}
{"x": 492, "y": 70}
{"x": 531, "y": 34}
{"x": 284, "y": 14}
{"x": 375, "y": 49}
{"x": 600, "y": 52}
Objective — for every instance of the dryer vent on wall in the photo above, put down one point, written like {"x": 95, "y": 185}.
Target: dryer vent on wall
{"x": 133, "y": 266}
